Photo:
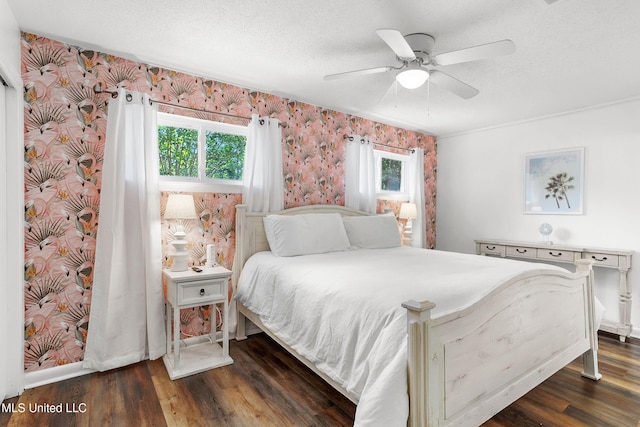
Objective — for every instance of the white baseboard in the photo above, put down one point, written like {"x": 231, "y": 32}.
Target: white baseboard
{"x": 55, "y": 374}
{"x": 72, "y": 370}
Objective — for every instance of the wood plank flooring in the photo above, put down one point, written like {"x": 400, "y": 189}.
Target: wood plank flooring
{"x": 267, "y": 387}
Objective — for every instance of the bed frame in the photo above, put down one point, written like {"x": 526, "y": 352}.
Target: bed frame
{"x": 467, "y": 366}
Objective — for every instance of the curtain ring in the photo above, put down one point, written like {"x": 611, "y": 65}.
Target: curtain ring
{"x": 129, "y": 97}
{"x": 362, "y": 141}
{"x": 261, "y": 121}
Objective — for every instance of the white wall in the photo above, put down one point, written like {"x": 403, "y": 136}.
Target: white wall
{"x": 11, "y": 238}
{"x": 481, "y": 188}
{"x": 9, "y": 44}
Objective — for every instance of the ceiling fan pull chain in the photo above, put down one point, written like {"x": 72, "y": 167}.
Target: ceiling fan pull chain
{"x": 395, "y": 84}
{"x": 428, "y": 98}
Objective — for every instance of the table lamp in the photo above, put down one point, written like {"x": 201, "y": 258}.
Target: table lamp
{"x": 408, "y": 211}
{"x": 180, "y": 207}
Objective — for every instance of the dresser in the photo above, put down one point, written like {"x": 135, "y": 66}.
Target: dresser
{"x": 619, "y": 259}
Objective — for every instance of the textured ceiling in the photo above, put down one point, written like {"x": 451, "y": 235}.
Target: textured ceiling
{"x": 570, "y": 54}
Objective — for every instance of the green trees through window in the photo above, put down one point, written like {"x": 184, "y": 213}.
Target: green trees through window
{"x": 178, "y": 151}
{"x": 225, "y": 155}
{"x": 198, "y": 149}
{"x": 390, "y": 174}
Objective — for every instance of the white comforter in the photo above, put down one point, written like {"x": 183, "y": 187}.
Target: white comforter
{"x": 342, "y": 311}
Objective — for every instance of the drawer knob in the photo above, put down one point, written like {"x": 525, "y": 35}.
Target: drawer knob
{"x": 556, "y": 255}
{"x": 521, "y": 251}
{"x": 202, "y": 292}
{"x": 604, "y": 258}
{"x": 490, "y": 247}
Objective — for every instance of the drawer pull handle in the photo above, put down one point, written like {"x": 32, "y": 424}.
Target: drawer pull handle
{"x": 202, "y": 292}
{"x": 604, "y": 258}
{"x": 556, "y": 255}
{"x": 521, "y": 251}
{"x": 490, "y": 247}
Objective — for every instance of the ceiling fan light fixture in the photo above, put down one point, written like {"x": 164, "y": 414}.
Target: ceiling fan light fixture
{"x": 413, "y": 77}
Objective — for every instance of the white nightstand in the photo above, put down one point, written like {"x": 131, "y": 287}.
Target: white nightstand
{"x": 186, "y": 289}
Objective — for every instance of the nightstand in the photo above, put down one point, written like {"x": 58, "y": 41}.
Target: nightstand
{"x": 186, "y": 289}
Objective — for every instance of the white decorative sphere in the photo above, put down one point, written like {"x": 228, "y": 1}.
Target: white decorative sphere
{"x": 545, "y": 229}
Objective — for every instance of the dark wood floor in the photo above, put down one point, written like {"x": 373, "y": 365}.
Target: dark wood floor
{"x": 267, "y": 387}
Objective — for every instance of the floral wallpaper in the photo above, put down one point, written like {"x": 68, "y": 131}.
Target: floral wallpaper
{"x": 64, "y": 128}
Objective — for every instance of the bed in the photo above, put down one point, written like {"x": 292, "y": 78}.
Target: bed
{"x": 413, "y": 336}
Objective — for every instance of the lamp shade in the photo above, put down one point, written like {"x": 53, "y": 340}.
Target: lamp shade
{"x": 413, "y": 77}
{"x": 408, "y": 211}
{"x": 180, "y": 206}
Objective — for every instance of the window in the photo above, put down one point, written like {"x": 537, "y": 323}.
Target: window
{"x": 391, "y": 172}
{"x": 200, "y": 155}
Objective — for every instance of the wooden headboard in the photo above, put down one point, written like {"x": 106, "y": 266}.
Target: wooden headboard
{"x": 250, "y": 235}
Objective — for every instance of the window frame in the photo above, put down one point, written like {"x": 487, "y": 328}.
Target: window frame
{"x": 200, "y": 183}
{"x": 403, "y": 194}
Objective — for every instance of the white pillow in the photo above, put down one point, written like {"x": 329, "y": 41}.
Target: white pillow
{"x": 292, "y": 235}
{"x": 372, "y": 232}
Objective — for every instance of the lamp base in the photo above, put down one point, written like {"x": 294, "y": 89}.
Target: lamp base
{"x": 179, "y": 256}
{"x": 407, "y": 234}
{"x": 180, "y": 261}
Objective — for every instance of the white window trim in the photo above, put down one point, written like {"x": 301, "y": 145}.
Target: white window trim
{"x": 402, "y": 195}
{"x": 200, "y": 184}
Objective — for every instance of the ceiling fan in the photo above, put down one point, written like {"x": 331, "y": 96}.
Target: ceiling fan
{"x": 417, "y": 62}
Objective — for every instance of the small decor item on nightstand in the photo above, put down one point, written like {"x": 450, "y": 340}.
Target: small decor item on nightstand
{"x": 180, "y": 207}
{"x": 211, "y": 256}
{"x": 546, "y": 230}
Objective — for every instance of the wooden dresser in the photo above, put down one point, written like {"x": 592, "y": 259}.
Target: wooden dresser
{"x": 619, "y": 259}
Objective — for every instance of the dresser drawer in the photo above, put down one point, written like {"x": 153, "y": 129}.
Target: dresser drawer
{"x": 521, "y": 252}
{"x": 556, "y": 255}
{"x": 490, "y": 249}
{"x": 602, "y": 260}
{"x": 203, "y": 291}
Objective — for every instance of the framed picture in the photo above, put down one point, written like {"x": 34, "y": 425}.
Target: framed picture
{"x": 554, "y": 182}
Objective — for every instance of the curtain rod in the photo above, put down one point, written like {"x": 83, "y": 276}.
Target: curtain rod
{"x": 98, "y": 89}
{"x": 362, "y": 140}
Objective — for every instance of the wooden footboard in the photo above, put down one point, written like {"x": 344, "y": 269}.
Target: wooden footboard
{"x": 466, "y": 367}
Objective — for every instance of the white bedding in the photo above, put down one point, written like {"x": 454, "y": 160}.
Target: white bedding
{"x": 342, "y": 311}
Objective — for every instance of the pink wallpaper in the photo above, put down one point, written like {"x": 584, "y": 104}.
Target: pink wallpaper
{"x": 65, "y": 124}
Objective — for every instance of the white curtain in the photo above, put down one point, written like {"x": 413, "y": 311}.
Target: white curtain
{"x": 360, "y": 175}
{"x": 262, "y": 176}
{"x": 126, "y": 318}
{"x": 262, "y": 179}
{"x": 416, "y": 195}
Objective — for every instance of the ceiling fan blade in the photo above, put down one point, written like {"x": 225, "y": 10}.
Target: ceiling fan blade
{"x": 484, "y": 51}
{"x": 395, "y": 40}
{"x": 452, "y": 84}
{"x": 359, "y": 72}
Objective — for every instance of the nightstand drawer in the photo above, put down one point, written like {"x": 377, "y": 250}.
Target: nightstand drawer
{"x": 556, "y": 254}
{"x": 521, "y": 252}
{"x": 206, "y": 290}
{"x": 603, "y": 260}
{"x": 490, "y": 249}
